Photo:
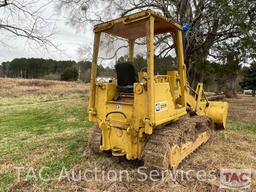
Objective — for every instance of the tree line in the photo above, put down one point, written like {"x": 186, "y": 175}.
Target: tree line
{"x": 228, "y": 76}
{"x": 36, "y": 68}
{"x": 49, "y": 69}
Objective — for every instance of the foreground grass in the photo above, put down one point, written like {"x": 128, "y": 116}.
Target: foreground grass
{"x": 48, "y": 132}
{"x": 245, "y": 127}
{"x": 52, "y": 131}
{"x": 242, "y": 113}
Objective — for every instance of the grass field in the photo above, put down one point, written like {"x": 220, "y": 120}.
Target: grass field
{"x": 48, "y": 127}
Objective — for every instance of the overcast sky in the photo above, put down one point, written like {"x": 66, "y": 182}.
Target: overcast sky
{"x": 68, "y": 40}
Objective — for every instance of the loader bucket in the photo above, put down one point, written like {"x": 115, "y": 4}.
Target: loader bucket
{"x": 218, "y": 111}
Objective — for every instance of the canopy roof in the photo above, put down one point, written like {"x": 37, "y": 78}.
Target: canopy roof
{"x": 135, "y": 25}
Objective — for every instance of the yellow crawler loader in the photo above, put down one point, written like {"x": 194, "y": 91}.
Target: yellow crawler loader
{"x": 155, "y": 118}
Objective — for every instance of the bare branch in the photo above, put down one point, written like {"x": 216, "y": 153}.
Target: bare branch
{"x": 25, "y": 20}
{"x": 115, "y": 53}
{"x": 5, "y": 3}
{"x": 166, "y": 50}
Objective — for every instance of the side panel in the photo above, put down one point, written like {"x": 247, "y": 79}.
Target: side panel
{"x": 164, "y": 106}
{"x": 166, "y": 109}
{"x": 104, "y": 93}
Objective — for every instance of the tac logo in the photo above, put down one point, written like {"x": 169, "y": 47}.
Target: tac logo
{"x": 235, "y": 178}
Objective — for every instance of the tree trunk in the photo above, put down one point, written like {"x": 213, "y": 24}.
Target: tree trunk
{"x": 253, "y": 93}
{"x": 196, "y": 67}
{"x": 230, "y": 87}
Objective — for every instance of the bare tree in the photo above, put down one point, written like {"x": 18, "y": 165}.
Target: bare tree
{"x": 23, "y": 18}
{"x": 212, "y": 22}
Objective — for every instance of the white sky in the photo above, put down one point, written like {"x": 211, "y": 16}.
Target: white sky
{"x": 66, "y": 37}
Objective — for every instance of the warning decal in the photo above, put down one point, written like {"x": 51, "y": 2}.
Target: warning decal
{"x": 161, "y": 106}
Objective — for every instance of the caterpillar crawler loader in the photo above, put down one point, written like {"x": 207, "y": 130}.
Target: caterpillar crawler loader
{"x": 155, "y": 118}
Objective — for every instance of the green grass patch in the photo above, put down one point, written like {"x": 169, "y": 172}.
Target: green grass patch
{"x": 6, "y": 179}
{"x": 33, "y": 131}
{"x": 74, "y": 147}
{"x": 242, "y": 126}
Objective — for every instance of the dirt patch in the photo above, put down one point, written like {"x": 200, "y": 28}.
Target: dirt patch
{"x": 247, "y": 114}
{"x": 21, "y": 186}
{"x": 242, "y": 109}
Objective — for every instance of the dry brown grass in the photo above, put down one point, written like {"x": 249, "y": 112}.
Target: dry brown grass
{"x": 226, "y": 149}
{"x": 13, "y": 87}
{"x": 230, "y": 148}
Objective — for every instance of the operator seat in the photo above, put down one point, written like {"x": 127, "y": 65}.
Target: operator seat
{"x": 126, "y": 76}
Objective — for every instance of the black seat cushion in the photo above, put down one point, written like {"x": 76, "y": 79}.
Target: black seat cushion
{"x": 126, "y": 76}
